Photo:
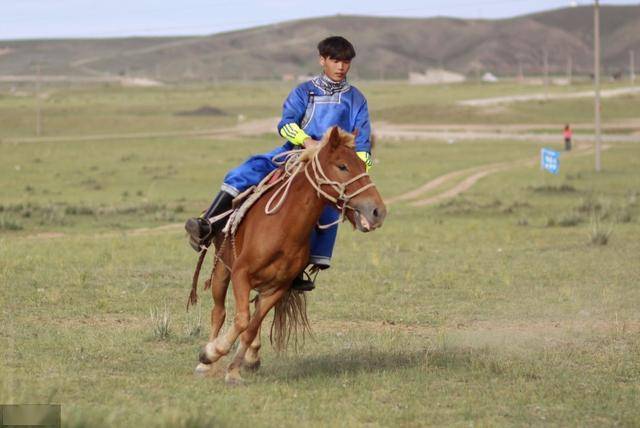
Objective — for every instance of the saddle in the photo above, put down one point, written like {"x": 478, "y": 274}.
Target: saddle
{"x": 245, "y": 200}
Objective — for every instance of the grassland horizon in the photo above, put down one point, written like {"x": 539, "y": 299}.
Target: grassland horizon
{"x": 512, "y": 303}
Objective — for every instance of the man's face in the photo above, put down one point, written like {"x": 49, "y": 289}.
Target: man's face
{"x": 335, "y": 69}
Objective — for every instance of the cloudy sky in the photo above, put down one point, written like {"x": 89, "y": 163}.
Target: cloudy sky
{"x": 116, "y": 18}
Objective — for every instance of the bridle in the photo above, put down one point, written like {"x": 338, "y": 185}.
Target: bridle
{"x": 313, "y": 171}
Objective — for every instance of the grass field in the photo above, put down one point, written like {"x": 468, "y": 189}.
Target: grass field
{"x": 112, "y": 109}
{"x": 489, "y": 309}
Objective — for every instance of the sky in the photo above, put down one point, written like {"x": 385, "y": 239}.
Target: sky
{"x": 28, "y": 19}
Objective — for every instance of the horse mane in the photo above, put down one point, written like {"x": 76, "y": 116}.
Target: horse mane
{"x": 347, "y": 139}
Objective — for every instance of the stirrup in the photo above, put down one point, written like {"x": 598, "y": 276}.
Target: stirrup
{"x": 302, "y": 284}
{"x": 198, "y": 237}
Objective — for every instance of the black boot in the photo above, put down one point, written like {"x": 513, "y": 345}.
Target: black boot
{"x": 305, "y": 281}
{"x": 200, "y": 230}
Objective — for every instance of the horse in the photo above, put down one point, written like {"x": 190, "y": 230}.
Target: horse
{"x": 267, "y": 252}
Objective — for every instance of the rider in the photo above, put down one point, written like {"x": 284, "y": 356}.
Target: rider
{"x": 309, "y": 110}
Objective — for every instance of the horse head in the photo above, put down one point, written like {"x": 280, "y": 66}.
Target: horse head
{"x": 343, "y": 179}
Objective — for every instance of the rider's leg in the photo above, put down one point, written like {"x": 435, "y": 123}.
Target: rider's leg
{"x": 248, "y": 174}
{"x": 322, "y": 243}
{"x": 200, "y": 230}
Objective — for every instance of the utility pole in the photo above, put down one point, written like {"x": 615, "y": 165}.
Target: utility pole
{"x": 520, "y": 73}
{"x": 545, "y": 55}
{"x": 632, "y": 66}
{"x": 569, "y": 69}
{"x": 596, "y": 79}
{"x": 38, "y": 106}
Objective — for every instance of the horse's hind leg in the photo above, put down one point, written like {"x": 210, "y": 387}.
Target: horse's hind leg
{"x": 248, "y": 337}
{"x": 252, "y": 358}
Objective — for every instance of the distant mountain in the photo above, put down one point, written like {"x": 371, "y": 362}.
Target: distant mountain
{"x": 387, "y": 47}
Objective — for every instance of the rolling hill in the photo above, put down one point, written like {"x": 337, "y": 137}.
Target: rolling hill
{"x": 387, "y": 47}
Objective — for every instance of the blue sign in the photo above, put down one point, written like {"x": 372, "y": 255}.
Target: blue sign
{"x": 550, "y": 160}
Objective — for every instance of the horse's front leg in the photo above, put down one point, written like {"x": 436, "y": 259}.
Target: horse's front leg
{"x": 219, "y": 284}
{"x": 249, "y": 337}
{"x": 221, "y": 345}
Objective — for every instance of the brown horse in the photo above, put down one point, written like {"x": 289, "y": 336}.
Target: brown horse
{"x": 269, "y": 251}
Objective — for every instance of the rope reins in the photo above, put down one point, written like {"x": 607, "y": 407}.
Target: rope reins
{"x": 292, "y": 164}
{"x": 291, "y": 160}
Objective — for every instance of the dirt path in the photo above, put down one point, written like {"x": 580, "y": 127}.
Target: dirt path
{"x": 131, "y": 232}
{"x": 607, "y": 93}
{"x": 447, "y": 132}
{"x": 249, "y": 128}
{"x": 407, "y": 132}
{"x": 631, "y": 124}
{"x": 471, "y": 177}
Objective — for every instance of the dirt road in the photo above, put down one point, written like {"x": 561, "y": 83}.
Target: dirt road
{"x": 470, "y": 176}
{"x": 607, "y": 93}
{"x": 416, "y": 197}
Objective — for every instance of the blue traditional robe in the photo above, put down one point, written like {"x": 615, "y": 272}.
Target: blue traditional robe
{"x": 309, "y": 110}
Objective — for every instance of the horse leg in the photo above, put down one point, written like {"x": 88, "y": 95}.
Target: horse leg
{"x": 221, "y": 345}
{"x": 219, "y": 284}
{"x": 252, "y": 358}
{"x": 249, "y": 335}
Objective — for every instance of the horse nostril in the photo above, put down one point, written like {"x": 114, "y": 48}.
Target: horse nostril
{"x": 375, "y": 212}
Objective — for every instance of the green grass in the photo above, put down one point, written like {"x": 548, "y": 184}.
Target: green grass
{"x": 110, "y": 109}
{"x": 451, "y": 315}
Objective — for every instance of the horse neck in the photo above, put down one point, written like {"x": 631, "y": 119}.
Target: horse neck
{"x": 306, "y": 205}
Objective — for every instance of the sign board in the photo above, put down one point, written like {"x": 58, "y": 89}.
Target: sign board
{"x": 550, "y": 160}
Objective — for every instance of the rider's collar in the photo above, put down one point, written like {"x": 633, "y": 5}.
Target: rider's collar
{"x": 328, "y": 86}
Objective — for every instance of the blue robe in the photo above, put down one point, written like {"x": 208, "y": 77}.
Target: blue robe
{"x": 314, "y": 111}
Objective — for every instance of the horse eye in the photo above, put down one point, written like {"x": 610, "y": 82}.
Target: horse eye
{"x": 343, "y": 167}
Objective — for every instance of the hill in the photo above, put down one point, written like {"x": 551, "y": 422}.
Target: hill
{"x": 387, "y": 47}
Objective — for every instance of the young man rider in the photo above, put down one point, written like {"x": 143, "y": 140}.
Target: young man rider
{"x": 309, "y": 110}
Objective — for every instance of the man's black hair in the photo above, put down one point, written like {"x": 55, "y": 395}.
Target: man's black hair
{"x": 336, "y": 47}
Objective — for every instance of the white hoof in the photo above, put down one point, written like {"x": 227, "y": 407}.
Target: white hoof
{"x": 232, "y": 379}
{"x": 202, "y": 369}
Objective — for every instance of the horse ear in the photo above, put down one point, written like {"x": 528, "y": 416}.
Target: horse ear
{"x": 356, "y": 132}
{"x": 334, "y": 137}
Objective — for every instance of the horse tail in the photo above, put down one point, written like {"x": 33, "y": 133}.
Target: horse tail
{"x": 193, "y": 295}
{"x": 289, "y": 320}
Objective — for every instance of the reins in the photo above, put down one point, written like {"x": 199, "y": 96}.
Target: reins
{"x": 292, "y": 163}
{"x": 291, "y": 160}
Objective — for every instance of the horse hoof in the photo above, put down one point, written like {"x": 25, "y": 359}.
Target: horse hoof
{"x": 233, "y": 380}
{"x": 252, "y": 366}
{"x": 202, "y": 370}
{"x": 203, "y": 358}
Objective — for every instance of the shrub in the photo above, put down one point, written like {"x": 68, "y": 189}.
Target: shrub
{"x": 569, "y": 220}
{"x": 194, "y": 327}
{"x": 625, "y": 216}
{"x": 161, "y": 322}
{"x": 598, "y": 234}
{"x": 550, "y": 188}
{"x": 590, "y": 204}
{"x": 79, "y": 210}
{"x": 8, "y": 224}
